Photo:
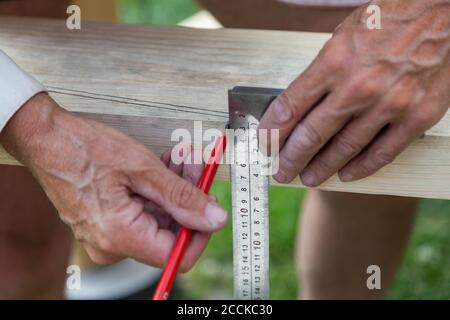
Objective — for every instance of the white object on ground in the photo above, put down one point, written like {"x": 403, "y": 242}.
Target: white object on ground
{"x": 201, "y": 20}
{"x": 116, "y": 281}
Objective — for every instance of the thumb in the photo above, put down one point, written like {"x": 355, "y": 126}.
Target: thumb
{"x": 187, "y": 204}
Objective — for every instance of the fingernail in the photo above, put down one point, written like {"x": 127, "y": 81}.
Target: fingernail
{"x": 346, "y": 176}
{"x": 215, "y": 215}
{"x": 281, "y": 177}
{"x": 309, "y": 178}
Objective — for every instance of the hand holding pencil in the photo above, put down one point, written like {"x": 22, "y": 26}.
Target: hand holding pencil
{"x": 170, "y": 271}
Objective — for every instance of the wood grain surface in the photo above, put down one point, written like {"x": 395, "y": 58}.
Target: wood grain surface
{"x": 148, "y": 80}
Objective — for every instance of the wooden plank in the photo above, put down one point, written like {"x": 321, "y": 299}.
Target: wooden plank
{"x": 149, "y": 80}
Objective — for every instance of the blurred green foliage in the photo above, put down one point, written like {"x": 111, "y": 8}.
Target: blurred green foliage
{"x": 425, "y": 273}
{"x": 156, "y": 11}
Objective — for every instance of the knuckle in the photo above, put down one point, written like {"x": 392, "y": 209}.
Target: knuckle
{"x": 383, "y": 157}
{"x": 376, "y": 160}
{"x": 345, "y": 146}
{"x": 334, "y": 62}
{"x": 364, "y": 170}
{"x": 365, "y": 87}
{"x": 106, "y": 244}
{"x": 288, "y": 163}
{"x": 335, "y": 55}
{"x": 305, "y": 137}
{"x": 323, "y": 165}
{"x": 288, "y": 168}
{"x": 365, "y": 82}
{"x": 397, "y": 105}
{"x": 370, "y": 89}
{"x": 182, "y": 192}
{"x": 422, "y": 121}
{"x": 331, "y": 61}
{"x": 339, "y": 111}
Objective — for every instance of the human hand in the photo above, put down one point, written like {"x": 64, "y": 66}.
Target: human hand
{"x": 119, "y": 199}
{"x": 367, "y": 95}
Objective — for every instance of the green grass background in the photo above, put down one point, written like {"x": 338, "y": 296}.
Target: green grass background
{"x": 425, "y": 273}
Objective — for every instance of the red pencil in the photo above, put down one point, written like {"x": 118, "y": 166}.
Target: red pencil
{"x": 170, "y": 271}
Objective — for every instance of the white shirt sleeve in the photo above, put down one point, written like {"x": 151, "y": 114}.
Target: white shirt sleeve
{"x": 16, "y": 88}
{"x": 327, "y": 3}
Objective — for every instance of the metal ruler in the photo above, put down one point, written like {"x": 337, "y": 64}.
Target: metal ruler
{"x": 250, "y": 198}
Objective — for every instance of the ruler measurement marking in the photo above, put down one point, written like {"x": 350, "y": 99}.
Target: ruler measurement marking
{"x": 251, "y": 199}
{"x": 241, "y": 214}
{"x": 258, "y": 239}
{"x": 250, "y": 193}
{"x": 251, "y": 269}
{"x": 250, "y": 212}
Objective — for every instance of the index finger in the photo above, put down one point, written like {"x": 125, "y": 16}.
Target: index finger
{"x": 294, "y": 103}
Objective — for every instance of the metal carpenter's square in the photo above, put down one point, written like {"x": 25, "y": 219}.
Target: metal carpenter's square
{"x": 250, "y": 194}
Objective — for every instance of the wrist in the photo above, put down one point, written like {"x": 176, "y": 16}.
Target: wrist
{"x": 32, "y": 121}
